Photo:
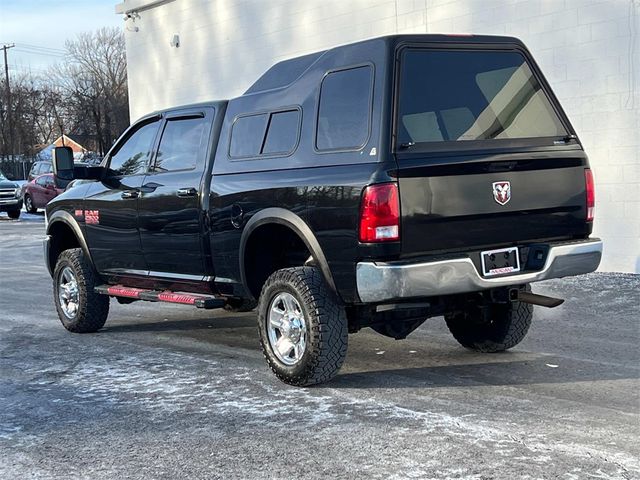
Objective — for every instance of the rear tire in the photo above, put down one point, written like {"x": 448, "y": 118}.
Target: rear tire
{"x": 506, "y": 326}
{"x": 316, "y": 312}
{"x": 15, "y": 214}
{"x": 28, "y": 204}
{"x": 80, "y": 308}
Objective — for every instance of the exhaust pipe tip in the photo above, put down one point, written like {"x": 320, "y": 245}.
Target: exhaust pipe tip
{"x": 517, "y": 295}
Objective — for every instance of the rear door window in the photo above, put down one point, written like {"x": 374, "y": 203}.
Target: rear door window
{"x": 460, "y": 95}
{"x": 180, "y": 144}
{"x": 344, "y": 109}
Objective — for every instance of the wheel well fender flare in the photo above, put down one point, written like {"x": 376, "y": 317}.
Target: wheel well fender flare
{"x": 64, "y": 217}
{"x": 281, "y": 216}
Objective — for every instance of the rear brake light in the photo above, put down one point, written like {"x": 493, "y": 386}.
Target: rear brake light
{"x": 380, "y": 213}
{"x": 591, "y": 194}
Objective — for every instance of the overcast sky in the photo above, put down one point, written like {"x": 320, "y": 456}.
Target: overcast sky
{"x": 39, "y": 28}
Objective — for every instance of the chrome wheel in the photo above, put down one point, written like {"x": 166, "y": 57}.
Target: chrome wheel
{"x": 68, "y": 295}
{"x": 287, "y": 329}
{"x": 28, "y": 205}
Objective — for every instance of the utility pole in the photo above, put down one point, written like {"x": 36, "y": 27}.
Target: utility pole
{"x": 5, "y": 48}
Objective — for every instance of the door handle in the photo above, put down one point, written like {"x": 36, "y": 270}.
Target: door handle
{"x": 150, "y": 187}
{"x": 187, "y": 192}
{"x": 130, "y": 194}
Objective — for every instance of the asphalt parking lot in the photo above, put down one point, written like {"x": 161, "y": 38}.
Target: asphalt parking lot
{"x": 168, "y": 392}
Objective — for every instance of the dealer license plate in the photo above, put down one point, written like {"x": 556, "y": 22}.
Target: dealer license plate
{"x": 499, "y": 262}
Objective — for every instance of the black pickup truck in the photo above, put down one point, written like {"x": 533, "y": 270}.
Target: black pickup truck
{"x": 375, "y": 185}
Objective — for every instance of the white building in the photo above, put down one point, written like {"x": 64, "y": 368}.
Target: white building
{"x": 185, "y": 51}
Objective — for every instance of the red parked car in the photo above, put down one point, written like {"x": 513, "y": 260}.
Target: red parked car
{"x": 40, "y": 191}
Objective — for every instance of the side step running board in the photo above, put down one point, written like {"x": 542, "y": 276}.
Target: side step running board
{"x": 199, "y": 301}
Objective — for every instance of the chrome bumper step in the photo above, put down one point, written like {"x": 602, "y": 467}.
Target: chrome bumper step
{"x": 384, "y": 281}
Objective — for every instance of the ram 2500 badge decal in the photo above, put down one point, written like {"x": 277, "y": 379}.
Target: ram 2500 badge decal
{"x": 91, "y": 217}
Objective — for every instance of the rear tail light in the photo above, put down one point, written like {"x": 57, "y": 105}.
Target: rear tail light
{"x": 591, "y": 194}
{"x": 380, "y": 213}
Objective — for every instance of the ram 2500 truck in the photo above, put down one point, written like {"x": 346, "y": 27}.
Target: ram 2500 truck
{"x": 375, "y": 185}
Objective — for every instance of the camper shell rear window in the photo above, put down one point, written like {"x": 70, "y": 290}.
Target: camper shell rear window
{"x": 454, "y": 97}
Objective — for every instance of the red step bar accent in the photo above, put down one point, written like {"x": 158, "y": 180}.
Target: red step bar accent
{"x": 120, "y": 291}
{"x": 176, "y": 298}
{"x": 199, "y": 301}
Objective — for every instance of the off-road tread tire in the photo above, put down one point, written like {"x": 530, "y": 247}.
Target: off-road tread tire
{"x": 33, "y": 208}
{"x": 508, "y": 328}
{"x": 93, "y": 307}
{"x": 14, "y": 214}
{"x": 326, "y": 326}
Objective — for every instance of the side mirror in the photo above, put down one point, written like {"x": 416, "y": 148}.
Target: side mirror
{"x": 62, "y": 166}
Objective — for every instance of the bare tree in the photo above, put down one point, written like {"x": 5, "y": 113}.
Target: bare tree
{"x": 94, "y": 85}
{"x": 33, "y": 108}
{"x": 85, "y": 95}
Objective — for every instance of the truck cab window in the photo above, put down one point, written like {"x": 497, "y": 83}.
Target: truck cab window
{"x": 180, "y": 144}
{"x": 132, "y": 156}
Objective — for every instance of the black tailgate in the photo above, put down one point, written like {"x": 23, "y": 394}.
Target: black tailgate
{"x": 453, "y": 206}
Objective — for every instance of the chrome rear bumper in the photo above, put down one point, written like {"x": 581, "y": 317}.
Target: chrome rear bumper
{"x": 379, "y": 281}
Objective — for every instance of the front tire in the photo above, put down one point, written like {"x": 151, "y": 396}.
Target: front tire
{"x": 504, "y": 326}
{"x": 303, "y": 327}
{"x": 14, "y": 214}
{"x": 80, "y": 308}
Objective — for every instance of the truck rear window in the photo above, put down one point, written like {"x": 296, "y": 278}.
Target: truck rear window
{"x": 462, "y": 95}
